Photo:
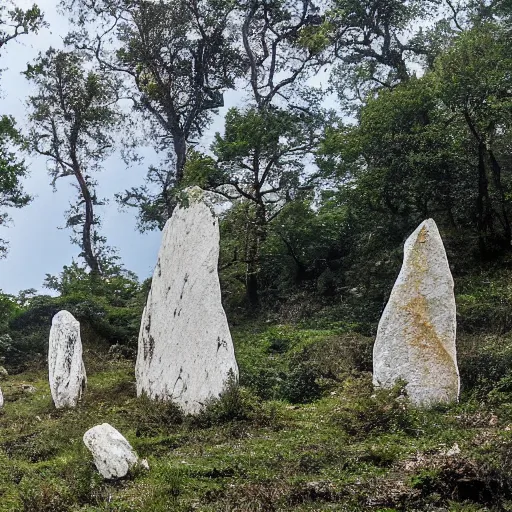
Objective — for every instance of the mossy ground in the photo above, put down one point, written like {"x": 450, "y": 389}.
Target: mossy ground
{"x": 267, "y": 446}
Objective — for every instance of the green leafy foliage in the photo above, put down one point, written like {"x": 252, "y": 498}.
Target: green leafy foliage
{"x": 177, "y": 60}
{"x": 12, "y": 171}
{"x": 300, "y": 366}
{"x": 376, "y": 40}
{"x": 347, "y": 449}
{"x": 261, "y": 161}
{"x": 370, "y": 410}
{"x": 74, "y": 115}
{"x": 15, "y": 21}
{"x": 109, "y": 310}
{"x": 234, "y": 404}
{"x": 309, "y": 250}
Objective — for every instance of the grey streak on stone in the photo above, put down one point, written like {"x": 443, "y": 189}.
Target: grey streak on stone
{"x": 65, "y": 366}
{"x": 185, "y": 350}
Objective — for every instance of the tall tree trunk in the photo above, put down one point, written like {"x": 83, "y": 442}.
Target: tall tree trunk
{"x": 251, "y": 284}
{"x": 87, "y": 244}
{"x": 484, "y": 222}
{"x": 483, "y": 205}
{"x": 301, "y": 273}
{"x": 173, "y": 179}
{"x": 448, "y": 199}
{"x": 254, "y": 253}
{"x": 180, "y": 148}
{"x": 496, "y": 172}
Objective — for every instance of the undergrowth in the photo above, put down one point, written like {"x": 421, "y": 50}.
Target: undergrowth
{"x": 303, "y": 429}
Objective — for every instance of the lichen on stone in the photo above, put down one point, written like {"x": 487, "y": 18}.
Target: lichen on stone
{"x": 416, "y": 335}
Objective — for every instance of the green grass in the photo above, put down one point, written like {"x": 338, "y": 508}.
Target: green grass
{"x": 347, "y": 449}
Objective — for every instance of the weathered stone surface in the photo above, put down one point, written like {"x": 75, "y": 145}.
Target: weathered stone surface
{"x": 112, "y": 453}
{"x": 1, "y": 399}
{"x": 416, "y": 335}
{"x": 66, "y": 368}
{"x": 185, "y": 351}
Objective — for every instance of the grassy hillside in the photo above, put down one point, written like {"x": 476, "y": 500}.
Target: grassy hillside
{"x": 305, "y": 431}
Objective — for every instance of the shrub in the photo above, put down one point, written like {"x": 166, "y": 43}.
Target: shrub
{"x": 500, "y": 396}
{"x": 483, "y": 362}
{"x": 300, "y": 385}
{"x": 484, "y": 480}
{"x": 284, "y": 363}
{"x": 263, "y": 379}
{"x": 382, "y": 454}
{"x": 339, "y": 356}
{"x": 234, "y": 404}
{"x": 29, "y": 328}
{"x": 321, "y": 364}
{"x": 484, "y": 302}
{"x": 153, "y": 417}
{"x": 365, "y": 410}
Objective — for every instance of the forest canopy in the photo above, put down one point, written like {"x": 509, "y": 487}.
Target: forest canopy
{"x": 322, "y": 181}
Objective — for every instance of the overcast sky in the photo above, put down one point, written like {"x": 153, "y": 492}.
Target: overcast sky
{"x": 37, "y": 245}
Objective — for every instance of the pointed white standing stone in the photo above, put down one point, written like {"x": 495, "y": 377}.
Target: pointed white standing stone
{"x": 185, "y": 351}
{"x": 112, "y": 453}
{"x": 416, "y": 335}
{"x": 66, "y": 368}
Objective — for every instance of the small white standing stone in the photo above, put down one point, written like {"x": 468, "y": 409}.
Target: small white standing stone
{"x": 1, "y": 399}
{"x": 66, "y": 368}
{"x": 112, "y": 453}
{"x": 416, "y": 334}
{"x": 185, "y": 351}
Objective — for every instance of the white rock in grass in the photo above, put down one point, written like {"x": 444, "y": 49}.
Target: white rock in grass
{"x": 416, "y": 334}
{"x": 112, "y": 453}
{"x": 28, "y": 388}
{"x": 185, "y": 351}
{"x": 1, "y": 399}
{"x": 66, "y": 369}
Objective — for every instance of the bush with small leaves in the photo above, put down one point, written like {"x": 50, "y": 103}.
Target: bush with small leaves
{"x": 364, "y": 410}
{"x": 300, "y": 385}
{"x": 234, "y": 404}
{"x": 154, "y": 417}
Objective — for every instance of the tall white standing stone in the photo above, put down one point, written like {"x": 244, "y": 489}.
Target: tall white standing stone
{"x": 185, "y": 351}
{"x": 66, "y": 368}
{"x": 1, "y": 399}
{"x": 112, "y": 453}
{"x": 416, "y": 334}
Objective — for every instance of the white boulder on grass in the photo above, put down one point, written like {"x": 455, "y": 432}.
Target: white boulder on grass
{"x": 66, "y": 369}
{"x": 112, "y": 453}
{"x": 416, "y": 334}
{"x": 185, "y": 351}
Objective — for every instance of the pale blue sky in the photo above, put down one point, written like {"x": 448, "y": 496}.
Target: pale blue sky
{"x": 37, "y": 246}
